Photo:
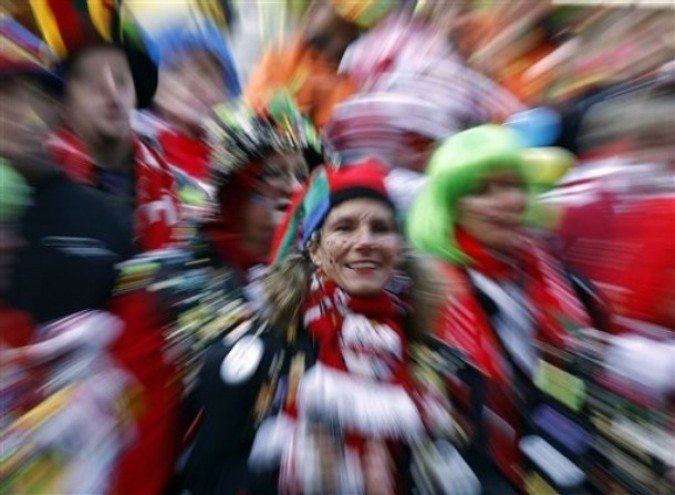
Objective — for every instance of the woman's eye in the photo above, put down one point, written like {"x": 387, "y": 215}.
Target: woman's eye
{"x": 381, "y": 228}
{"x": 343, "y": 227}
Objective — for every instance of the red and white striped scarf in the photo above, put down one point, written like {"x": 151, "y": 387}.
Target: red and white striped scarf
{"x": 361, "y": 385}
{"x": 355, "y": 409}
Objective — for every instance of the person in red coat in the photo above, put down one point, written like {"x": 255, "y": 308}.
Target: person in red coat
{"x": 509, "y": 295}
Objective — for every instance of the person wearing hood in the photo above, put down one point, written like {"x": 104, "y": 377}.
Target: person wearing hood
{"x": 192, "y": 294}
{"x": 196, "y": 73}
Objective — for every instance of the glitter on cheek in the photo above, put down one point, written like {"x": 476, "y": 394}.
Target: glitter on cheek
{"x": 331, "y": 248}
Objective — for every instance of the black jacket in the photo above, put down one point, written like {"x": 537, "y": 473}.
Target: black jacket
{"x": 73, "y": 238}
{"x": 217, "y": 464}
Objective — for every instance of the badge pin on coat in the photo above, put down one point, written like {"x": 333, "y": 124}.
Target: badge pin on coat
{"x": 242, "y": 361}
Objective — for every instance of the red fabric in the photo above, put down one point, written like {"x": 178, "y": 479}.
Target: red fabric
{"x": 18, "y": 327}
{"x": 146, "y": 468}
{"x": 73, "y": 21}
{"x": 158, "y": 208}
{"x": 383, "y": 308}
{"x": 73, "y": 27}
{"x": 225, "y": 232}
{"x": 627, "y": 248}
{"x": 464, "y": 324}
{"x": 18, "y": 330}
{"x": 324, "y": 316}
{"x": 187, "y": 153}
{"x": 369, "y": 174}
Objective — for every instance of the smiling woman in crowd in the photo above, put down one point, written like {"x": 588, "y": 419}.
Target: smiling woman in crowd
{"x": 332, "y": 392}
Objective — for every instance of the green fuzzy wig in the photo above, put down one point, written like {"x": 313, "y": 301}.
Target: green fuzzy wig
{"x": 455, "y": 170}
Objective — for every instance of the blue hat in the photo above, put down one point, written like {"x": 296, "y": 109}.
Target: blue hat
{"x": 204, "y": 35}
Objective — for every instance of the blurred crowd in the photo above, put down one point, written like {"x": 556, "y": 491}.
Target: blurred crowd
{"x": 337, "y": 246}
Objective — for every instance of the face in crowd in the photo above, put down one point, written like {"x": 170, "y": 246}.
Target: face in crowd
{"x": 359, "y": 246}
{"x": 100, "y": 95}
{"x": 282, "y": 176}
{"x": 28, "y": 110}
{"x": 418, "y": 151}
{"x": 492, "y": 212}
{"x": 189, "y": 88}
{"x": 328, "y": 33}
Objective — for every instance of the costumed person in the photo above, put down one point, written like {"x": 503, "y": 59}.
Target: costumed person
{"x": 108, "y": 70}
{"x": 333, "y": 391}
{"x": 199, "y": 291}
{"x": 510, "y": 295}
{"x": 196, "y": 73}
{"x": 308, "y": 65}
{"x": 260, "y": 159}
{"x": 620, "y": 199}
{"x": 63, "y": 217}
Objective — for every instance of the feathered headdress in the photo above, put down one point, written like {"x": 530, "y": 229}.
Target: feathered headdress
{"x": 238, "y": 136}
